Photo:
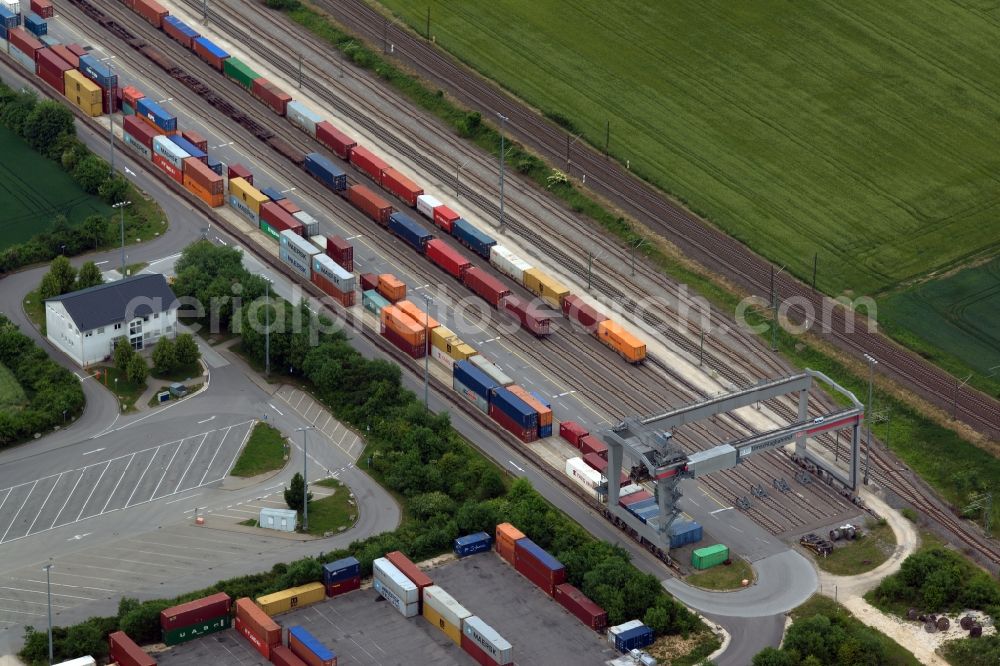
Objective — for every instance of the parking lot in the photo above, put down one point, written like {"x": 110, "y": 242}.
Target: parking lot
{"x": 363, "y": 629}
{"x": 108, "y": 485}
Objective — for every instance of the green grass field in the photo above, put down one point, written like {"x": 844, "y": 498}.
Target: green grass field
{"x": 264, "y": 452}
{"x": 854, "y": 130}
{"x": 33, "y": 190}
{"x": 11, "y": 393}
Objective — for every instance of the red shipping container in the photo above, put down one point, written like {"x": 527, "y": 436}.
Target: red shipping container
{"x": 204, "y": 176}
{"x": 125, "y": 652}
{"x": 109, "y": 98}
{"x": 168, "y": 168}
{"x": 150, "y": 10}
{"x": 280, "y": 219}
{"x": 255, "y": 640}
{"x": 369, "y": 281}
{"x": 257, "y": 623}
{"x": 305, "y": 654}
{"x": 343, "y": 587}
{"x": 577, "y": 603}
{"x": 477, "y": 652}
{"x": 601, "y": 465}
{"x": 401, "y": 186}
{"x": 445, "y": 217}
{"x": 51, "y": 61}
{"x": 484, "y": 284}
{"x": 139, "y": 130}
{"x": 131, "y": 95}
{"x": 289, "y": 206}
{"x": 534, "y": 570}
{"x": 447, "y": 257}
{"x": 590, "y": 444}
{"x": 193, "y": 612}
{"x": 410, "y": 570}
{"x": 581, "y": 313}
{"x": 572, "y": 431}
{"x": 341, "y": 252}
{"x": 526, "y": 435}
{"x": 366, "y": 160}
{"x": 635, "y": 498}
{"x": 282, "y": 656}
{"x": 208, "y": 56}
{"x": 172, "y": 31}
{"x": 370, "y": 203}
{"x": 63, "y": 52}
{"x": 57, "y": 81}
{"x": 344, "y": 298}
{"x": 240, "y": 171}
{"x": 196, "y": 139}
{"x": 77, "y": 50}
{"x": 270, "y": 94}
{"x": 335, "y": 140}
{"x": 529, "y": 317}
{"x": 412, "y": 350}
{"x": 24, "y": 42}
{"x": 43, "y": 8}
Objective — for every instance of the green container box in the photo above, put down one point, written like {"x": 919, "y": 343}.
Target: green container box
{"x": 269, "y": 230}
{"x": 127, "y": 109}
{"x": 373, "y": 301}
{"x": 709, "y": 556}
{"x": 185, "y": 634}
{"x": 237, "y": 71}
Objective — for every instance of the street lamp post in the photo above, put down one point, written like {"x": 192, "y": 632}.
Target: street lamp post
{"x": 639, "y": 243}
{"x": 305, "y": 480}
{"x": 121, "y": 207}
{"x": 868, "y": 417}
{"x": 503, "y": 124}
{"x": 48, "y": 588}
{"x": 267, "y": 327}
{"x": 427, "y": 302}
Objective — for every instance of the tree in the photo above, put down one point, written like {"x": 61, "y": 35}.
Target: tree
{"x": 137, "y": 370}
{"x": 50, "y": 286}
{"x": 770, "y": 656}
{"x": 186, "y": 350}
{"x": 90, "y": 172}
{"x": 89, "y": 276}
{"x": 93, "y": 231}
{"x": 123, "y": 354}
{"x": 113, "y": 189}
{"x": 293, "y": 494}
{"x": 15, "y": 112}
{"x": 64, "y": 274}
{"x": 164, "y": 355}
{"x": 46, "y": 124}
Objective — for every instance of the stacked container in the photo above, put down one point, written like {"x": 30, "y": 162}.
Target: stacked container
{"x": 473, "y": 384}
{"x": 485, "y": 285}
{"x": 130, "y": 98}
{"x": 369, "y": 203}
{"x": 392, "y": 288}
{"x": 63, "y": 52}
{"x": 8, "y": 21}
{"x": 303, "y": 117}
{"x": 396, "y": 588}
{"x": 584, "y": 475}
{"x": 196, "y": 140}
{"x": 204, "y": 183}
{"x": 195, "y": 618}
{"x": 25, "y": 46}
{"x": 342, "y": 576}
{"x": 535, "y": 564}
{"x": 306, "y": 647}
{"x": 572, "y": 432}
{"x": 418, "y": 315}
{"x": 590, "y": 444}
{"x": 34, "y": 24}
{"x": 138, "y": 136}
{"x": 189, "y": 148}
{"x": 515, "y": 415}
{"x": 577, "y": 603}
{"x": 333, "y": 279}
{"x": 543, "y": 410}
{"x": 84, "y": 93}
{"x": 373, "y": 301}
{"x": 473, "y": 238}
{"x": 472, "y": 544}
{"x": 296, "y": 252}
{"x": 481, "y": 642}
{"x": 402, "y": 331}
{"x": 239, "y": 171}
{"x": 246, "y": 199}
{"x": 401, "y": 186}
{"x": 154, "y": 114}
{"x": 441, "y": 610}
{"x": 507, "y": 537}
{"x": 335, "y": 140}
{"x": 411, "y": 571}
{"x": 258, "y": 628}
{"x": 102, "y": 75}
{"x": 169, "y": 157}
{"x": 52, "y": 69}
{"x": 282, "y": 656}
{"x": 123, "y": 651}
{"x": 340, "y": 251}
{"x": 447, "y": 348}
{"x": 292, "y": 598}
{"x": 601, "y": 465}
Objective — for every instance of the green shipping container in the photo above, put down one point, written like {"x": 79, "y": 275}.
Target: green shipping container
{"x": 127, "y": 110}
{"x": 269, "y": 230}
{"x": 373, "y": 301}
{"x": 709, "y": 556}
{"x": 237, "y": 71}
{"x": 185, "y": 634}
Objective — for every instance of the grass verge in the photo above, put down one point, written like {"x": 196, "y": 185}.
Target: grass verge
{"x": 334, "y": 513}
{"x": 116, "y": 382}
{"x": 723, "y": 578}
{"x": 895, "y": 653}
{"x": 12, "y": 395}
{"x": 863, "y": 554}
{"x": 264, "y": 452}
{"x": 180, "y": 374}
{"x": 34, "y": 308}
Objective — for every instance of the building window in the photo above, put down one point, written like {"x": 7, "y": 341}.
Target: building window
{"x": 88, "y": 334}
{"x": 169, "y": 329}
{"x": 118, "y": 327}
{"x": 156, "y": 315}
{"x": 100, "y": 330}
{"x": 137, "y": 343}
{"x": 135, "y": 328}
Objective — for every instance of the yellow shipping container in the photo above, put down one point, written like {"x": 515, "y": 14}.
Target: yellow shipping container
{"x": 450, "y": 630}
{"x": 461, "y": 351}
{"x": 247, "y": 193}
{"x": 440, "y": 337}
{"x": 79, "y": 86}
{"x": 292, "y": 598}
{"x": 548, "y": 288}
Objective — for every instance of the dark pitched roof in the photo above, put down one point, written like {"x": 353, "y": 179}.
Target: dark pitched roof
{"x": 136, "y": 296}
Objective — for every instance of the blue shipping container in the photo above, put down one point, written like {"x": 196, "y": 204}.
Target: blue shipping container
{"x": 334, "y": 572}
{"x": 473, "y": 543}
{"x": 411, "y": 232}
{"x": 644, "y": 504}
{"x": 634, "y": 639}
{"x": 3, "y": 31}
{"x": 322, "y": 652}
{"x": 182, "y": 27}
{"x": 474, "y": 379}
{"x": 215, "y": 165}
{"x": 35, "y": 24}
{"x": 545, "y": 431}
{"x": 188, "y": 147}
{"x": 647, "y": 513}
{"x": 98, "y": 72}
{"x": 326, "y": 171}
{"x": 8, "y": 20}
{"x": 272, "y": 194}
{"x": 517, "y": 409}
{"x": 540, "y": 554}
{"x": 684, "y": 532}
{"x": 472, "y": 238}
{"x": 211, "y": 48}
{"x": 147, "y": 108}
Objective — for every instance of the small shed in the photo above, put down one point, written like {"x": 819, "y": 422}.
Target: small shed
{"x": 282, "y": 520}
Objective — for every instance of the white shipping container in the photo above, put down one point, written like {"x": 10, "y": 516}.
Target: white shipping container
{"x": 488, "y": 640}
{"x": 426, "y": 205}
{"x": 302, "y": 116}
{"x": 301, "y": 267}
{"x": 79, "y": 661}
{"x": 442, "y": 357}
{"x": 137, "y": 146}
{"x": 297, "y": 245}
{"x": 617, "y": 629}
{"x": 309, "y": 222}
{"x": 583, "y": 473}
{"x": 283, "y": 520}
{"x": 445, "y": 605}
{"x": 508, "y": 263}
{"x": 630, "y": 489}
{"x": 491, "y": 370}
{"x": 169, "y": 151}
{"x": 244, "y": 210}
{"x": 334, "y": 272}
{"x": 13, "y": 6}
{"x": 319, "y": 241}
{"x": 385, "y": 571}
{"x": 407, "y": 610}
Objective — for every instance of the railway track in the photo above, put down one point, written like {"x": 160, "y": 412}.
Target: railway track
{"x": 696, "y": 238}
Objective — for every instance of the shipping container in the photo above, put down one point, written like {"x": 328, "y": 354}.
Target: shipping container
{"x": 472, "y": 544}
{"x": 634, "y": 498}
{"x": 684, "y": 532}
{"x": 242, "y": 208}
{"x": 195, "y": 611}
{"x": 582, "y": 314}
{"x": 517, "y": 409}
{"x": 630, "y": 489}
{"x": 531, "y": 318}
{"x": 272, "y": 194}
{"x": 476, "y": 240}
{"x": 279, "y": 219}
{"x": 259, "y": 644}
{"x": 98, "y": 72}
{"x": 340, "y": 251}
{"x": 63, "y": 52}
{"x": 247, "y": 193}
{"x": 584, "y": 475}
{"x": 634, "y": 639}
{"x": 196, "y": 139}
{"x": 164, "y": 146}
{"x": 473, "y": 384}
{"x": 370, "y": 203}
{"x": 407, "y": 610}
{"x": 538, "y": 566}
{"x": 526, "y": 434}
{"x": 343, "y": 586}
{"x": 8, "y": 21}
{"x": 240, "y": 171}
{"x": 507, "y": 537}
{"x": 412, "y": 350}
{"x": 77, "y": 49}
{"x": 485, "y": 285}
{"x": 292, "y": 598}
{"x": 131, "y": 96}
{"x": 444, "y": 612}
{"x": 84, "y": 93}
{"x": 196, "y": 630}
{"x": 52, "y": 69}
{"x": 454, "y": 350}
{"x": 153, "y": 113}
{"x": 335, "y": 140}
{"x": 572, "y": 432}
{"x": 544, "y": 428}
{"x": 444, "y": 256}
{"x": 410, "y": 570}
{"x": 28, "y": 62}
{"x": 140, "y": 131}
{"x": 393, "y": 289}
{"x": 282, "y": 656}
{"x": 210, "y": 53}
{"x": 409, "y": 231}
{"x": 426, "y": 205}
{"x": 238, "y": 71}
{"x": 291, "y": 207}
{"x": 544, "y": 412}
{"x": 619, "y": 628}
{"x": 545, "y": 287}
{"x": 492, "y": 370}
{"x": 25, "y": 42}
{"x": 484, "y": 644}
{"x": 35, "y": 24}
{"x": 302, "y": 117}
{"x": 168, "y": 168}
{"x": 137, "y": 146}
{"x": 445, "y": 218}
{"x": 368, "y": 162}
{"x": 373, "y": 301}
{"x": 309, "y": 649}
{"x": 181, "y": 31}
{"x": 614, "y": 335}
{"x": 399, "y": 583}
{"x": 43, "y": 8}
{"x": 418, "y": 315}
{"x": 401, "y": 186}
{"x": 709, "y": 556}
{"x": 577, "y": 603}
{"x": 348, "y": 567}
{"x": 189, "y": 148}
{"x": 333, "y": 280}
{"x": 199, "y": 172}
{"x": 152, "y": 11}
{"x": 394, "y": 319}
{"x": 295, "y": 251}
{"x": 125, "y": 652}
{"x": 508, "y": 263}
{"x": 326, "y": 172}
{"x": 215, "y": 165}
{"x": 590, "y": 444}
{"x": 276, "y": 98}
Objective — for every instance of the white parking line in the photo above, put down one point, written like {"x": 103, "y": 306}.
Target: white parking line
{"x": 85, "y": 587}
{"x": 235, "y": 455}
{"x": 191, "y": 462}
{"x": 42, "y": 507}
{"x": 9, "y": 491}
{"x": 18, "y": 512}
{"x": 212, "y": 461}
{"x": 167, "y": 468}
{"x": 115, "y": 489}
{"x": 68, "y": 498}
{"x": 181, "y": 499}
{"x": 92, "y": 490}
{"x": 34, "y": 603}
{"x": 141, "y": 477}
{"x": 9, "y": 610}
{"x": 54, "y": 594}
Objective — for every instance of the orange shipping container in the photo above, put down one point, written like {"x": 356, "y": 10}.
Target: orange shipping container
{"x": 544, "y": 413}
{"x": 417, "y": 315}
{"x": 391, "y": 288}
{"x": 199, "y": 172}
{"x": 627, "y": 345}
{"x": 197, "y": 189}
{"x": 402, "y": 325}
{"x": 507, "y": 535}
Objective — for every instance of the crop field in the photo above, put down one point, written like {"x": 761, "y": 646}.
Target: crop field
{"x": 959, "y": 314}
{"x": 11, "y": 393}
{"x": 33, "y": 190}
{"x": 857, "y": 131}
